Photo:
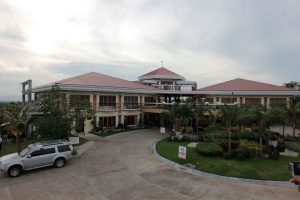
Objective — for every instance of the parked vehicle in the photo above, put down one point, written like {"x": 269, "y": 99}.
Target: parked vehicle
{"x": 37, "y": 155}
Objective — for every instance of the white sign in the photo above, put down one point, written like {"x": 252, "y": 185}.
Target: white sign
{"x": 74, "y": 140}
{"x": 162, "y": 130}
{"x": 182, "y": 152}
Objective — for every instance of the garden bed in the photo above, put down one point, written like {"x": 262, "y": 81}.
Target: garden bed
{"x": 108, "y": 132}
{"x": 252, "y": 168}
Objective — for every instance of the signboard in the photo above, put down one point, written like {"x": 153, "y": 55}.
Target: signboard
{"x": 182, "y": 152}
{"x": 162, "y": 130}
{"x": 74, "y": 140}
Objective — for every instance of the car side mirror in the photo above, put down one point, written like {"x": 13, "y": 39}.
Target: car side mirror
{"x": 29, "y": 156}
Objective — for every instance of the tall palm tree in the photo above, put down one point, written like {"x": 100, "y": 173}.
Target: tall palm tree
{"x": 293, "y": 113}
{"x": 229, "y": 115}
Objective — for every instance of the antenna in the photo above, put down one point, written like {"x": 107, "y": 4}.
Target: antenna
{"x": 162, "y": 63}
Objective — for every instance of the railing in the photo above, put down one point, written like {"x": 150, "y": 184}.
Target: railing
{"x": 131, "y": 106}
{"x": 107, "y": 107}
{"x": 177, "y": 87}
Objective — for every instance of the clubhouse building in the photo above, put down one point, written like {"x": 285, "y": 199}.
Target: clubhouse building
{"x": 117, "y": 100}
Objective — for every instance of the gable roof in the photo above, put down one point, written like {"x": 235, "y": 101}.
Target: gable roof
{"x": 161, "y": 73}
{"x": 101, "y": 80}
{"x": 97, "y": 82}
{"x": 244, "y": 85}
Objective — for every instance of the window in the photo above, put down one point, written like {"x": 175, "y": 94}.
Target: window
{"x": 210, "y": 100}
{"x": 277, "y": 101}
{"x": 74, "y": 99}
{"x": 63, "y": 148}
{"x": 131, "y": 102}
{"x": 42, "y": 152}
{"x": 130, "y": 120}
{"x": 150, "y": 101}
{"x": 253, "y": 101}
{"x": 228, "y": 100}
{"x": 108, "y": 122}
{"x": 107, "y": 101}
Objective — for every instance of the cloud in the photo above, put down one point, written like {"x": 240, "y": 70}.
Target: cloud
{"x": 205, "y": 41}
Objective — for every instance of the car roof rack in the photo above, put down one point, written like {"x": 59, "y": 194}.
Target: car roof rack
{"x": 51, "y": 142}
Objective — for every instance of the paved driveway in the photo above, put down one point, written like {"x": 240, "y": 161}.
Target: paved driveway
{"x": 123, "y": 168}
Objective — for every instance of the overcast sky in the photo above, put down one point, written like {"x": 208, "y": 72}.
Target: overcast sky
{"x": 204, "y": 41}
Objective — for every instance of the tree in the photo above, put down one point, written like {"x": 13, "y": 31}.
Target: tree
{"x": 229, "y": 115}
{"x": 293, "y": 113}
{"x": 56, "y": 120}
{"x": 15, "y": 116}
{"x": 276, "y": 115}
{"x": 80, "y": 112}
{"x": 292, "y": 84}
{"x": 248, "y": 115}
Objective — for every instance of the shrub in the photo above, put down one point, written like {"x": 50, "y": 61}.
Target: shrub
{"x": 209, "y": 149}
{"x": 250, "y": 136}
{"x": 294, "y": 146}
{"x": 227, "y": 155}
{"x": 175, "y": 139}
{"x": 280, "y": 146}
{"x": 188, "y": 130}
{"x": 189, "y": 138}
{"x": 240, "y": 157}
{"x": 268, "y": 149}
{"x": 275, "y": 155}
{"x": 250, "y": 145}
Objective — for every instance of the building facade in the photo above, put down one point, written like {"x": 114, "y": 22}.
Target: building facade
{"x": 116, "y": 100}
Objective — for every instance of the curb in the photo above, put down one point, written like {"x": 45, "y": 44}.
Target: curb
{"x": 209, "y": 175}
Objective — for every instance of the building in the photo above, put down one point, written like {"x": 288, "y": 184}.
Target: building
{"x": 116, "y": 100}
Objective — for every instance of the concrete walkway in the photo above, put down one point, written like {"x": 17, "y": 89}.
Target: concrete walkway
{"x": 124, "y": 168}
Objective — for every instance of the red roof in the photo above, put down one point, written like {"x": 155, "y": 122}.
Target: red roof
{"x": 244, "y": 85}
{"x": 101, "y": 80}
{"x": 161, "y": 71}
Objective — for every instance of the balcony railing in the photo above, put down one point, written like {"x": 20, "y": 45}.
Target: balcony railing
{"x": 107, "y": 107}
{"x": 131, "y": 106}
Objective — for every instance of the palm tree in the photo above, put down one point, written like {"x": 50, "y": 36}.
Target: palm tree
{"x": 229, "y": 115}
{"x": 293, "y": 113}
{"x": 276, "y": 115}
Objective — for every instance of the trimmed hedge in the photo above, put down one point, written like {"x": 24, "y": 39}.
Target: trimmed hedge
{"x": 209, "y": 149}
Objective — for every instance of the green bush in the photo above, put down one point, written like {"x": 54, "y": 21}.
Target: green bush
{"x": 209, "y": 149}
{"x": 240, "y": 157}
{"x": 250, "y": 145}
{"x": 275, "y": 155}
{"x": 294, "y": 146}
{"x": 268, "y": 149}
{"x": 227, "y": 155}
{"x": 280, "y": 146}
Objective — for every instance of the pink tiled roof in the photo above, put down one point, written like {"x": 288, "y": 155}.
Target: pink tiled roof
{"x": 101, "y": 80}
{"x": 244, "y": 85}
{"x": 161, "y": 71}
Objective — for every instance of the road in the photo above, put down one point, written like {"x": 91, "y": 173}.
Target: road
{"x": 123, "y": 167}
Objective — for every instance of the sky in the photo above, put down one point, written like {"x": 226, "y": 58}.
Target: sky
{"x": 204, "y": 41}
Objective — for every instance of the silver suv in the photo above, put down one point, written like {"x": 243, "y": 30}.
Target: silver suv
{"x": 40, "y": 154}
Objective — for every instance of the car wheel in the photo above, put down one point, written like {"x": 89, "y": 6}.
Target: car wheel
{"x": 59, "y": 162}
{"x": 14, "y": 171}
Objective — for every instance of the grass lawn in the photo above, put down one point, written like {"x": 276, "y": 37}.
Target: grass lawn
{"x": 255, "y": 168}
{"x": 12, "y": 147}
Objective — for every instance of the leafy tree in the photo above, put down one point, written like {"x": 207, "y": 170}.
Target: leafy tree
{"x": 14, "y": 113}
{"x": 80, "y": 111}
{"x": 292, "y": 84}
{"x": 56, "y": 120}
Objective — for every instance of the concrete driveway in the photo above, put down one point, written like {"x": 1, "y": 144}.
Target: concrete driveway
{"x": 123, "y": 167}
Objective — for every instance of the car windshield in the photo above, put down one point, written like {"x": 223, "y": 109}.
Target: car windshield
{"x": 24, "y": 152}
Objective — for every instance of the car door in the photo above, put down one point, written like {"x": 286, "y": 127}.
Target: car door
{"x": 39, "y": 158}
